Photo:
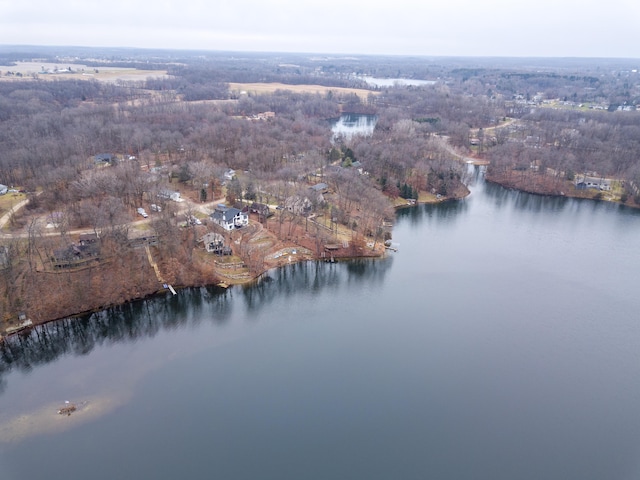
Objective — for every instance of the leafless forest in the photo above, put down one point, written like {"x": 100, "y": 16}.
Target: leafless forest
{"x": 88, "y": 153}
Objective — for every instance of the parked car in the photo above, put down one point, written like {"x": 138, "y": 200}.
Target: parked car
{"x": 156, "y": 208}
{"x": 142, "y": 212}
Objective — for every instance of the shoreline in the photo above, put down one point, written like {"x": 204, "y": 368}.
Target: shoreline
{"x": 568, "y": 191}
{"x": 223, "y": 283}
{"x": 222, "y": 286}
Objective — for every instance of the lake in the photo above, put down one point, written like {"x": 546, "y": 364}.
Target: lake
{"x": 392, "y": 82}
{"x": 350, "y": 124}
{"x": 500, "y": 342}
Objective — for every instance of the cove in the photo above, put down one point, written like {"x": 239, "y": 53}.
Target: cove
{"x": 500, "y": 342}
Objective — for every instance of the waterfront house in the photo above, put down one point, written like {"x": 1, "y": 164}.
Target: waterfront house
{"x": 75, "y": 256}
{"x": 582, "y": 182}
{"x": 230, "y": 218}
{"x": 214, "y": 243}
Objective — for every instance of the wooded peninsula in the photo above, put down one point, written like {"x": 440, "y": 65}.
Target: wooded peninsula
{"x": 126, "y": 172}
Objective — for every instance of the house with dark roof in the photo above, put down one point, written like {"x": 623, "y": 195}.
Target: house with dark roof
{"x": 75, "y": 256}
{"x": 298, "y": 205}
{"x": 261, "y": 209}
{"x": 88, "y": 238}
{"x": 320, "y": 188}
{"x": 109, "y": 158}
{"x": 230, "y": 218}
{"x": 582, "y": 182}
{"x": 214, "y": 243}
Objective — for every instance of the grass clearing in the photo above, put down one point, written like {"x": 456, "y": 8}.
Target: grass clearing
{"x": 106, "y": 73}
{"x": 8, "y": 200}
{"x": 261, "y": 88}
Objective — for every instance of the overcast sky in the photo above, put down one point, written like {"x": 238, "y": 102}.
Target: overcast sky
{"x": 558, "y": 28}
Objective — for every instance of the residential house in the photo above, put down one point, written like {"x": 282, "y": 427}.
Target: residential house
{"x": 170, "y": 195}
{"x": 108, "y": 158}
{"x": 262, "y": 116}
{"x": 261, "y": 209}
{"x": 230, "y": 218}
{"x": 139, "y": 242}
{"x": 582, "y": 182}
{"x": 88, "y": 239}
{"x": 214, "y": 243}
{"x": 320, "y": 188}
{"x": 75, "y": 255}
{"x": 298, "y": 205}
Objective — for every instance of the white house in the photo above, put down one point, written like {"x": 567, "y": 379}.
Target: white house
{"x": 170, "y": 195}
{"x": 583, "y": 182}
{"x": 230, "y": 218}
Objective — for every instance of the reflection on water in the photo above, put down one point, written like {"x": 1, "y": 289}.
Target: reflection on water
{"x": 125, "y": 323}
{"x": 311, "y": 277}
{"x": 443, "y": 212}
{"x": 144, "y": 319}
{"x": 350, "y": 124}
{"x": 500, "y": 315}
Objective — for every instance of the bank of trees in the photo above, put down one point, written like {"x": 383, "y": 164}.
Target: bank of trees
{"x": 50, "y": 130}
{"x": 566, "y": 142}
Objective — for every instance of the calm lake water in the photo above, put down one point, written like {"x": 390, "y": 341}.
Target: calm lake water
{"x": 390, "y": 82}
{"x": 350, "y": 124}
{"x": 502, "y": 341}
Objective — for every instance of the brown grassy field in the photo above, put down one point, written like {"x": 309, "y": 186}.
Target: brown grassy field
{"x": 29, "y": 70}
{"x": 9, "y": 200}
{"x": 258, "y": 88}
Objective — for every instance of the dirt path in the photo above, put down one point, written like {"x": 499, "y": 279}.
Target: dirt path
{"x": 474, "y": 131}
{"x": 7, "y": 216}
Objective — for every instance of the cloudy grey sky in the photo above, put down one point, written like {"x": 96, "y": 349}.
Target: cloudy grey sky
{"x": 584, "y": 28}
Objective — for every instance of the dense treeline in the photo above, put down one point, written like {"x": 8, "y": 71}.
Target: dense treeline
{"x": 573, "y": 142}
{"x": 50, "y": 128}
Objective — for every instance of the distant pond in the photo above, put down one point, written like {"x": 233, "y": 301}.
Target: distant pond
{"x": 391, "y": 82}
{"x": 350, "y": 124}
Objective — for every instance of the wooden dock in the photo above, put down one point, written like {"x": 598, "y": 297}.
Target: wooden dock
{"x": 157, "y": 270}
